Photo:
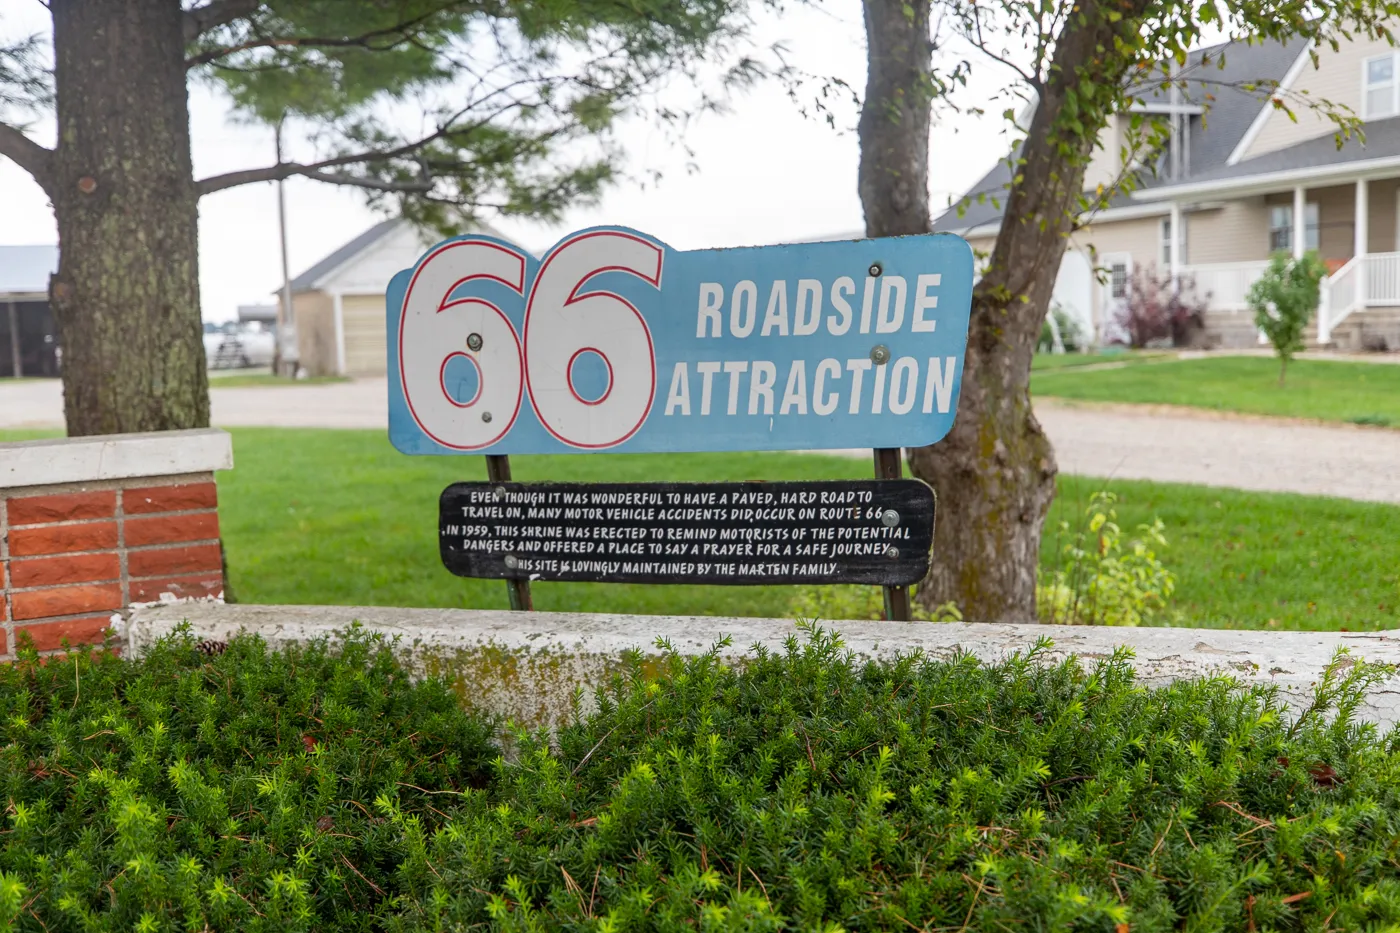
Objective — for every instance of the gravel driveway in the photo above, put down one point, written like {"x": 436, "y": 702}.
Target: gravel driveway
{"x": 1123, "y": 442}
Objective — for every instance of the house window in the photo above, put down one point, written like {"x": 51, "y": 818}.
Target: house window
{"x": 1118, "y": 279}
{"x": 1281, "y": 227}
{"x": 1378, "y": 87}
{"x": 1166, "y": 238}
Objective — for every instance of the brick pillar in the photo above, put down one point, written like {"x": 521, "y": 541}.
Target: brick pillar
{"x": 92, "y": 526}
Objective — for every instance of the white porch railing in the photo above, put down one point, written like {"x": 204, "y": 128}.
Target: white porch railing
{"x": 1223, "y": 285}
{"x": 1368, "y": 281}
{"x": 1382, "y": 279}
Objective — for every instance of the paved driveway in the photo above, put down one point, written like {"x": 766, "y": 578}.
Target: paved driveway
{"x": 1172, "y": 445}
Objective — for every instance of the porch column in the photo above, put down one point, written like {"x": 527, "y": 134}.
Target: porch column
{"x": 1360, "y": 245}
{"x": 1174, "y": 245}
{"x": 1300, "y": 221}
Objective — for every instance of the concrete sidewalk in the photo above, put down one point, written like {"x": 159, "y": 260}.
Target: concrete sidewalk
{"x": 1123, "y": 442}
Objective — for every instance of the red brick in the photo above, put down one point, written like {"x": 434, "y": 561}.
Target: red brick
{"x": 50, "y": 635}
{"x": 65, "y": 601}
{"x": 181, "y": 498}
{"x": 65, "y": 507}
{"x": 63, "y": 539}
{"x": 150, "y": 591}
{"x": 4, "y": 642}
{"x": 174, "y": 560}
{"x": 172, "y": 529}
{"x": 61, "y": 571}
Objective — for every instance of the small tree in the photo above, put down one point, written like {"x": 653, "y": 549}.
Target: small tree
{"x": 1284, "y": 300}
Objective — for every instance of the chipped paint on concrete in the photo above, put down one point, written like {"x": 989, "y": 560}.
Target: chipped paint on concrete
{"x": 530, "y": 666}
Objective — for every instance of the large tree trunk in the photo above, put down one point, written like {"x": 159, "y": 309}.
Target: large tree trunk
{"x": 995, "y": 471}
{"x": 126, "y": 295}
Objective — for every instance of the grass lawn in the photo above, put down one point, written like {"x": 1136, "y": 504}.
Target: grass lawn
{"x": 340, "y": 517}
{"x": 1259, "y": 560}
{"x": 241, "y": 380}
{"x": 1051, "y": 361}
{"x": 1360, "y": 393}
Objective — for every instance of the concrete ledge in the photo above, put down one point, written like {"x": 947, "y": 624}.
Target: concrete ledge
{"x": 53, "y": 461}
{"x": 528, "y": 665}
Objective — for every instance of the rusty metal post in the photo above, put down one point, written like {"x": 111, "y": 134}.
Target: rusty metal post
{"x": 889, "y": 464}
{"x": 498, "y": 471}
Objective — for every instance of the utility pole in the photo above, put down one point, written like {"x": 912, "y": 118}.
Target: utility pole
{"x": 284, "y": 308}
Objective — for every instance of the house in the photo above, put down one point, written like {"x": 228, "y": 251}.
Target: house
{"x": 28, "y": 335}
{"x": 338, "y": 303}
{"x": 266, "y": 315}
{"x": 1239, "y": 180}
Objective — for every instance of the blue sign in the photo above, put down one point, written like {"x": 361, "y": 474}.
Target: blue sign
{"x": 614, "y": 341}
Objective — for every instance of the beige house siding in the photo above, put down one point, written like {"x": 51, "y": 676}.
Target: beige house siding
{"x": 1106, "y": 163}
{"x": 314, "y": 314}
{"x": 1337, "y": 78}
{"x": 1381, "y": 232}
{"x": 1336, "y": 208}
{"x": 365, "y": 342}
{"x": 1236, "y": 231}
{"x": 1141, "y": 238}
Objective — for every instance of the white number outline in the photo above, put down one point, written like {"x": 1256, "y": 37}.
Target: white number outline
{"x": 574, "y": 296}
{"x": 445, "y": 305}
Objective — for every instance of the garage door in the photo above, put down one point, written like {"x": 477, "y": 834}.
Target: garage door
{"x": 363, "y": 316}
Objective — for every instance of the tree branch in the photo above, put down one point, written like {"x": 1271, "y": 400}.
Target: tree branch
{"x": 317, "y": 170}
{"x": 214, "y": 14}
{"x": 27, "y": 154}
{"x": 399, "y": 30}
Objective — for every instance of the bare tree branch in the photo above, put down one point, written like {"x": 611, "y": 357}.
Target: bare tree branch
{"x": 27, "y": 154}
{"x": 316, "y": 169}
{"x": 214, "y": 14}
{"x": 399, "y": 30}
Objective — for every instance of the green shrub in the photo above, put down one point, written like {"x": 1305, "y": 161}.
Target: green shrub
{"x": 230, "y": 792}
{"x": 1284, "y": 299}
{"x": 859, "y": 603}
{"x": 318, "y": 789}
{"x": 808, "y": 790}
{"x": 1099, "y": 582}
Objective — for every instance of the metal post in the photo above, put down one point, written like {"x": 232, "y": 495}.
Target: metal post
{"x": 498, "y": 471}
{"x": 889, "y": 464}
{"x": 284, "y": 311}
{"x": 14, "y": 341}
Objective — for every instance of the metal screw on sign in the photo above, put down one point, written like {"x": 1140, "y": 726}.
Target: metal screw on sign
{"x": 876, "y": 268}
{"x": 486, "y": 416}
{"x": 473, "y": 341}
{"x": 889, "y": 518}
{"x": 511, "y": 562}
{"x": 891, "y": 552}
{"x": 500, "y": 492}
{"x": 880, "y": 355}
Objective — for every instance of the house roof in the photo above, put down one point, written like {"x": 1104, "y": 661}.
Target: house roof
{"x": 25, "y": 270}
{"x": 308, "y": 279}
{"x": 1213, "y": 137}
{"x": 1382, "y": 142}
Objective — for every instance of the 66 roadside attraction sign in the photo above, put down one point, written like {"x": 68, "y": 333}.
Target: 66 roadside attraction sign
{"x": 614, "y": 341}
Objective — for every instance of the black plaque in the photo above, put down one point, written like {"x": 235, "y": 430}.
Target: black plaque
{"x": 861, "y": 531}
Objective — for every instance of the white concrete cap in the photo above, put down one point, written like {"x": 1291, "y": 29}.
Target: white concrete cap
{"x": 547, "y": 654}
{"x": 113, "y": 456}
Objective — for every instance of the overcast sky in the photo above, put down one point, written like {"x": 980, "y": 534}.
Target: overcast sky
{"x": 764, "y": 173}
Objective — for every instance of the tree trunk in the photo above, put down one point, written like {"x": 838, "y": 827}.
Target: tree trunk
{"x": 995, "y": 471}
{"x": 126, "y": 295}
